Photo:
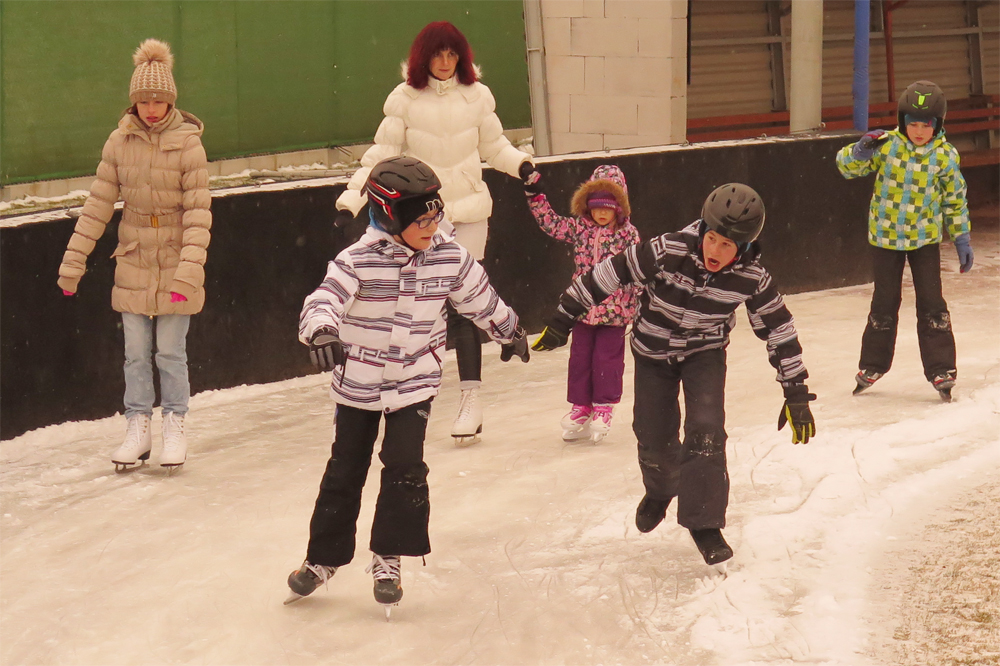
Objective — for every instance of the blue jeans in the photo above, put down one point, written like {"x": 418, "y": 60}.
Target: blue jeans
{"x": 171, "y": 361}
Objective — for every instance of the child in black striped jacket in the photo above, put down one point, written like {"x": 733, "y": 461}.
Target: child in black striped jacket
{"x": 694, "y": 281}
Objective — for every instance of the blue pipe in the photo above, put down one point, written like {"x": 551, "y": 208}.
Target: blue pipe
{"x": 859, "y": 90}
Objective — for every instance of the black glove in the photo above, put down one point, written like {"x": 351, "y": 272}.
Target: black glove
{"x": 556, "y": 334}
{"x": 531, "y": 177}
{"x": 344, "y": 217}
{"x": 796, "y": 412}
{"x": 326, "y": 350}
{"x": 516, "y": 347}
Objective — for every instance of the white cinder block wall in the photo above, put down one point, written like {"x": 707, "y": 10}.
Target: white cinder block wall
{"x": 616, "y": 73}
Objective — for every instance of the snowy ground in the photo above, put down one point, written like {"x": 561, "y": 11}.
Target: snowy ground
{"x": 874, "y": 544}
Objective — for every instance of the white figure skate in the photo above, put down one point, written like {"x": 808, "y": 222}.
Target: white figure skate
{"x": 469, "y": 422}
{"x": 174, "y": 442}
{"x": 137, "y": 445}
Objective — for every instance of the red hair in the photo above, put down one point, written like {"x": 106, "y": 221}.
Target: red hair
{"x": 435, "y": 37}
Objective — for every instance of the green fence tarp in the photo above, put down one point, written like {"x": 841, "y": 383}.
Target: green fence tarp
{"x": 264, "y": 76}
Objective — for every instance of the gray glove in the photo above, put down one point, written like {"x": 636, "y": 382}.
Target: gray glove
{"x": 516, "y": 347}
{"x": 325, "y": 349}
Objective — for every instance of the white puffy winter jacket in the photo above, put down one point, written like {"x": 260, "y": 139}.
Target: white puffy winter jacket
{"x": 453, "y": 128}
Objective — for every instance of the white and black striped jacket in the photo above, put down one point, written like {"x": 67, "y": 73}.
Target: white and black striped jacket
{"x": 387, "y": 304}
{"x": 686, "y": 308}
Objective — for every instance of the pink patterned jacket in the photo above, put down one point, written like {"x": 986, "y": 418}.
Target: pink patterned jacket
{"x": 593, "y": 243}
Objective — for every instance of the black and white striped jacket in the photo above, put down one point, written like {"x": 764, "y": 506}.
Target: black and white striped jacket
{"x": 685, "y": 308}
{"x": 387, "y": 304}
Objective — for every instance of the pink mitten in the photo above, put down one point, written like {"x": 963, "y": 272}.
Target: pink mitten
{"x": 177, "y": 298}
{"x": 68, "y": 293}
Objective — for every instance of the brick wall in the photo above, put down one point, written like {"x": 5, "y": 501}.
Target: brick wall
{"x": 616, "y": 72}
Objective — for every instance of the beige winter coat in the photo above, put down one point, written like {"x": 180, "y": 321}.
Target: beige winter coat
{"x": 161, "y": 174}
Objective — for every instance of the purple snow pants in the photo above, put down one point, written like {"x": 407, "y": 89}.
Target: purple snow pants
{"x": 596, "y": 364}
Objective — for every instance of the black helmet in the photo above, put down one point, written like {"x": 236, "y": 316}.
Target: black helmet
{"x": 401, "y": 189}
{"x": 924, "y": 101}
{"x": 734, "y": 211}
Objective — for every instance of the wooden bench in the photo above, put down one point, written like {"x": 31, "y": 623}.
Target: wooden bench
{"x": 965, "y": 116}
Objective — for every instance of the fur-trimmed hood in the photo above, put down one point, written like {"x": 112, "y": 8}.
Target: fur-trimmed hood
{"x": 606, "y": 178}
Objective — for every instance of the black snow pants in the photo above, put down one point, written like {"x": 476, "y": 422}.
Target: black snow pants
{"x": 463, "y": 335}
{"x": 693, "y": 471}
{"x": 402, "y": 510}
{"x": 934, "y": 335}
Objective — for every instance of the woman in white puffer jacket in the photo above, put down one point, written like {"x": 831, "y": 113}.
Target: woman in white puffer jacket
{"x": 443, "y": 116}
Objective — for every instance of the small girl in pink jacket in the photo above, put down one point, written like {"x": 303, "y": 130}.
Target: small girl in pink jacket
{"x": 599, "y": 229}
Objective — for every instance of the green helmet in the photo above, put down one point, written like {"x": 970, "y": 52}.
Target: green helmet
{"x": 923, "y": 101}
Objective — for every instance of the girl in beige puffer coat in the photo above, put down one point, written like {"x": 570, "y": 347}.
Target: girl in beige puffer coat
{"x": 155, "y": 162}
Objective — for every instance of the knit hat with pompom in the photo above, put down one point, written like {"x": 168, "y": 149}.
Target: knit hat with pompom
{"x": 153, "y": 79}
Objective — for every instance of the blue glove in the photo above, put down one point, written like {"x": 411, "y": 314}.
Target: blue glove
{"x": 869, "y": 142}
{"x": 964, "y": 252}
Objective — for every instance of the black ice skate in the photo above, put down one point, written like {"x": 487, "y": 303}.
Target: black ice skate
{"x": 304, "y": 581}
{"x": 865, "y": 379}
{"x": 713, "y": 547}
{"x": 650, "y": 513}
{"x": 944, "y": 383}
{"x": 388, "y": 585}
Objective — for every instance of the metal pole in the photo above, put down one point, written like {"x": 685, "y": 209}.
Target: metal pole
{"x": 806, "y": 107}
{"x": 537, "y": 86}
{"x": 862, "y": 21}
{"x": 890, "y": 68}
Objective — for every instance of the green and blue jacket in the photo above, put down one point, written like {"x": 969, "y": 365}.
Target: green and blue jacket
{"x": 918, "y": 191}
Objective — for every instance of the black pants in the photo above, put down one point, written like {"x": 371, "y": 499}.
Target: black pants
{"x": 937, "y": 343}
{"x": 402, "y": 510}
{"x": 693, "y": 471}
{"x": 463, "y": 335}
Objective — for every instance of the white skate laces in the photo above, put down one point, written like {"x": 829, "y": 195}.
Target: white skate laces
{"x": 174, "y": 441}
{"x": 467, "y": 408}
{"x": 469, "y": 422}
{"x": 384, "y": 567}
{"x": 137, "y": 443}
{"x": 322, "y": 573}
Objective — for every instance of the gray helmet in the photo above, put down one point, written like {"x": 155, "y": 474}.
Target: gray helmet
{"x": 925, "y": 102}
{"x": 735, "y": 211}
{"x": 401, "y": 189}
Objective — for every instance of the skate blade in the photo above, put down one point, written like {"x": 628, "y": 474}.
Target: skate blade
{"x": 945, "y": 395}
{"x": 598, "y": 436}
{"x": 172, "y": 468}
{"x": 721, "y": 569}
{"x": 388, "y": 610}
{"x": 292, "y": 598}
{"x": 577, "y": 436}
{"x": 859, "y": 389}
{"x": 126, "y": 466}
{"x": 463, "y": 441}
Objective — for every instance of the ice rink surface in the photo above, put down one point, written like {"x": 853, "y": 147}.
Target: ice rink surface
{"x": 536, "y": 559}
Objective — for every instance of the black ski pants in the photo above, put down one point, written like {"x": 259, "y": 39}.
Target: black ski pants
{"x": 463, "y": 335}
{"x": 694, "y": 471}
{"x": 402, "y": 510}
{"x": 934, "y": 335}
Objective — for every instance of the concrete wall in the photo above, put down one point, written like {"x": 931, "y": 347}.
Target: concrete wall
{"x": 62, "y": 357}
{"x": 616, "y": 72}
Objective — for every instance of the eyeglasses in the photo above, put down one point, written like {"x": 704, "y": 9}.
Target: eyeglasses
{"x": 427, "y": 219}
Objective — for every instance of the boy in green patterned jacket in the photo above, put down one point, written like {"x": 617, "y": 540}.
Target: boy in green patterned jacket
{"x": 919, "y": 191}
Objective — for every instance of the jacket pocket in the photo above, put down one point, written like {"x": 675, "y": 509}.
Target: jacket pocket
{"x": 129, "y": 273}
{"x": 122, "y": 250}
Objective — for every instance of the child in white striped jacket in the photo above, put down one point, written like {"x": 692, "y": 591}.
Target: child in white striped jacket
{"x": 377, "y": 320}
